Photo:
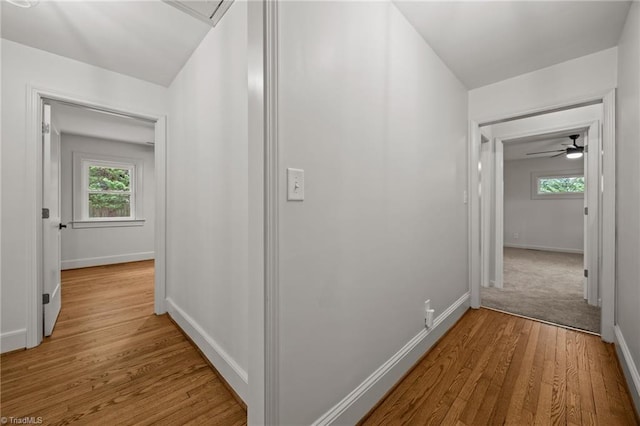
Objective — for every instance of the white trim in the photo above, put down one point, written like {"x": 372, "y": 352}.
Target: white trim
{"x": 368, "y": 393}
{"x": 628, "y": 366}
{"x": 257, "y": 399}
{"x": 593, "y": 237}
{"x": 160, "y": 214}
{"x": 230, "y": 370}
{"x": 544, "y": 248}
{"x": 487, "y": 201}
{"x": 498, "y": 196}
{"x": 608, "y": 217}
{"x": 12, "y": 340}
{"x": 33, "y": 179}
{"x": 571, "y": 103}
{"x": 271, "y": 216}
{"x": 111, "y": 223}
{"x": 473, "y": 154}
{"x": 106, "y": 260}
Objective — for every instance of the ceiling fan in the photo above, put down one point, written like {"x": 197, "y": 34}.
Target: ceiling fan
{"x": 572, "y": 150}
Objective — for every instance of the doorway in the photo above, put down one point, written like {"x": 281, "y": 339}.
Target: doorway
{"x": 593, "y": 121}
{"x": 98, "y": 192}
{"x": 541, "y": 246}
{"x": 49, "y": 225}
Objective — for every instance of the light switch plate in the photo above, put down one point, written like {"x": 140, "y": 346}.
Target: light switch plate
{"x": 295, "y": 184}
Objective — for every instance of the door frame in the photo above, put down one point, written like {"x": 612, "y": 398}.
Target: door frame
{"x": 607, "y": 211}
{"x": 592, "y": 236}
{"x": 33, "y": 182}
{"x": 264, "y": 190}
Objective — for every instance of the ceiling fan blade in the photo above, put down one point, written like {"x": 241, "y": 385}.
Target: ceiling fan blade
{"x": 545, "y": 152}
{"x": 557, "y": 155}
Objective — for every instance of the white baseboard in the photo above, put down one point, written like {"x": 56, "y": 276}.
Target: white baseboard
{"x": 364, "y": 397}
{"x": 12, "y": 340}
{"x": 235, "y": 375}
{"x": 544, "y": 248}
{"x": 106, "y": 260}
{"x": 628, "y": 366}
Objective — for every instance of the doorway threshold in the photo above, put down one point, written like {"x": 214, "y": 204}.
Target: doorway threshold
{"x": 568, "y": 327}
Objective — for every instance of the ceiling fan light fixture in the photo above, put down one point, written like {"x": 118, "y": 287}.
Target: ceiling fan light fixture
{"x": 25, "y": 4}
{"x": 574, "y": 151}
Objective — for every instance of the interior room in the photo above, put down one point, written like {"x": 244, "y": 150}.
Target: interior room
{"x": 324, "y": 212}
{"x": 543, "y": 245}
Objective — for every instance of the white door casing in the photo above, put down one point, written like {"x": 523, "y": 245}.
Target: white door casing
{"x": 593, "y": 154}
{"x": 51, "y": 244}
{"x": 34, "y": 184}
{"x": 602, "y": 257}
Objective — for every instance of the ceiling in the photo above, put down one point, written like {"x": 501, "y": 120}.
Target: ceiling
{"x": 149, "y": 40}
{"x": 481, "y": 41}
{"x": 86, "y": 122}
{"x": 517, "y": 149}
{"x": 484, "y": 42}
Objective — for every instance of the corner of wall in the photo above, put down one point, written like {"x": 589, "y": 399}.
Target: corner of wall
{"x": 230, "y": 370}
{"x": 367, "y": 394}
{"x": 628, "y": 367}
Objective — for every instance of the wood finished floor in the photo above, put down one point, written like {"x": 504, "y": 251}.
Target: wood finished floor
{"x": 495, "y": 369}
{"x": 111, "y": 361}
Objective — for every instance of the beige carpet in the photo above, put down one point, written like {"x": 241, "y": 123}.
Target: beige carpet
{"x": 544, "y": 285}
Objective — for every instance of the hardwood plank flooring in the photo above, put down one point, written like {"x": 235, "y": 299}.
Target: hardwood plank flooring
{"x": 493, "y": 369}
{"x": 111, "y": 361}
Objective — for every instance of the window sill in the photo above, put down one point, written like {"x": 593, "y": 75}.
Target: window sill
{"x": 83, "y": 224}
{"x": 558, "y": 196}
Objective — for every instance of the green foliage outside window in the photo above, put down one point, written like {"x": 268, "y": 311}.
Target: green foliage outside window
{"x": 109, "y": 192}
{"x": 561, "y": 185}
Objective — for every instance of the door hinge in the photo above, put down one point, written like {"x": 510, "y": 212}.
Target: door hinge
{"x": 45, "y": 298}
{"x": 586, "y": 149}
{"x": 45, "y": 213}
{"x": 586, "y": 210}
{"x": 45, "y": 127}
{"x": 586, "y": 273}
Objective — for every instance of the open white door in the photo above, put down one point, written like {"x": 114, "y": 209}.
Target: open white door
{"x": 51, "y": 226}
{"x": 498, "y": 226}
{"x": 593, "y": 192}
{"x": 585, "y": 228}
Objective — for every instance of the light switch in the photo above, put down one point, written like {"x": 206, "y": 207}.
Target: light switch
{"x": 295, "y": 185}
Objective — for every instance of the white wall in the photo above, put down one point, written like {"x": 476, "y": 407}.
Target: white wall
{"x": 103, "y": 246}
{"x": 628, "y": 195}
{"x": 207, "y": 211}
{"x": 23, "y": 66}
{"x": 378, "y": 123}
{"x": 554, "y": 224}
{"x": 577, "y": 79}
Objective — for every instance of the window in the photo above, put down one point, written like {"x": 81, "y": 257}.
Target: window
{"x": 107, "y": 191}
{"x": 560, "y": 184}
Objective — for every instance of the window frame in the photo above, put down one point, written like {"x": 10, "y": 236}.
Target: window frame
{"x": 536, "y": 176}
{"x": 80, "y": 199}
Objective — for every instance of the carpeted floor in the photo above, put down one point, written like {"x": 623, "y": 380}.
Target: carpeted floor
{"x": 544, "y": 285}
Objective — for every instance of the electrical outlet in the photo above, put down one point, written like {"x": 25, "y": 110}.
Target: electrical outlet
{"x": 516, "y": 235}
{"x": 428, "y": 314}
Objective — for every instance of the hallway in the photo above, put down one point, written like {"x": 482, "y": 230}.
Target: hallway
{"x": 110, "y": 360}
